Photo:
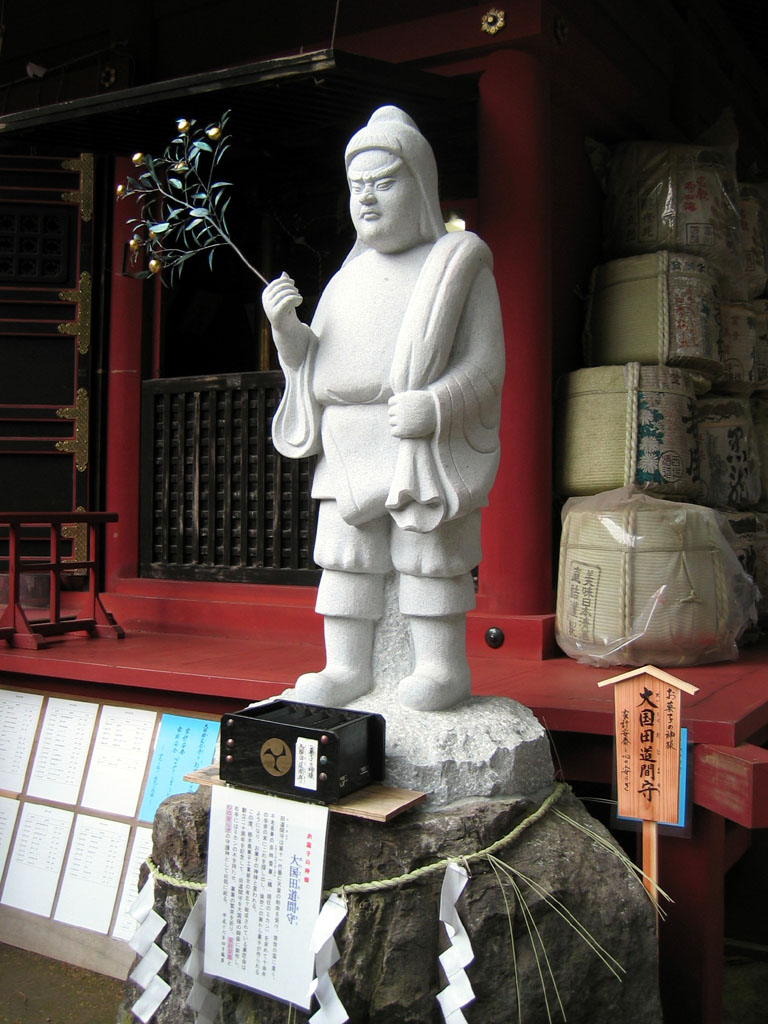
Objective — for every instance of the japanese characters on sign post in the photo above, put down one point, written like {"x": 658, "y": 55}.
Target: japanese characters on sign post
{"x": 265, "y": 875}
{"x": 648, "y": 739}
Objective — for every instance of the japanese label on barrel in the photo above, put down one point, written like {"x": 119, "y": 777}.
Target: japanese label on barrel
{"x": 583, "y": 581}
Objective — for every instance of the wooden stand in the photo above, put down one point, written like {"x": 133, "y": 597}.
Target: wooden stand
{"x": 376, "y": 802}
{"x": 15, "y": 624}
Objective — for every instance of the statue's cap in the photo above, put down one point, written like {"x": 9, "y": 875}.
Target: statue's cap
{"x": 392, "y": 130}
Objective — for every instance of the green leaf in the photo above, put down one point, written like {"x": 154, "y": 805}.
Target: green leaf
{"x": 175, "y": 183}
{"x": 199, "y": 144}
{"x": 159, "y": 228}
{"x": 198, "y": 211}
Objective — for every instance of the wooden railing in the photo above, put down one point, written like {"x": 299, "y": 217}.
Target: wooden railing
{"x": 217, "y": 501}
{"x": 18, "y": 625}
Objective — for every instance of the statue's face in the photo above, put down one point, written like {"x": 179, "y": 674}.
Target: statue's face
{"x": 384, "y": 202}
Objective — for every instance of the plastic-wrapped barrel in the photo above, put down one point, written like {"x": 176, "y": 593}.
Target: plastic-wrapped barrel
{"x": 644, "y": 580}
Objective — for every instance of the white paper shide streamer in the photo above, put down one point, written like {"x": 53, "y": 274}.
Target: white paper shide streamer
{"x": 152, "y": 956}
{"x": 205, "y": 1003}
{"x": 323, "y": 945}
{"x": 458, "y": 992}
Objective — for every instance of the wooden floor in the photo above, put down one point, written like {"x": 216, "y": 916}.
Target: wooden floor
{"x": 731, "y": 706}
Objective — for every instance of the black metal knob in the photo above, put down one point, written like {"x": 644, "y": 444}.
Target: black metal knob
{"x": 494, "y": 637}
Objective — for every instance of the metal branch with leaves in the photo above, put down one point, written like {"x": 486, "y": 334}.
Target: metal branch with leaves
{"x": 183, "y": 207}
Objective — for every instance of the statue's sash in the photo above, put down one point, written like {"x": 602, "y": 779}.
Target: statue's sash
{"x": 424, "y": 492}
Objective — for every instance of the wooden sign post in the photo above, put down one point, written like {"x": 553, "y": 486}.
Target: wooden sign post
{"x": 647, "y": 711}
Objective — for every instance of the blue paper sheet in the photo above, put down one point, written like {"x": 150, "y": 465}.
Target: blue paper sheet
{"x": 183, "y": 745}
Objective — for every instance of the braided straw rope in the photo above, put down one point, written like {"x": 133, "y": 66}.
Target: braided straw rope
{"x": 440, "y": 865}
{"x": 172, "y": 880}
{"x": 632, "y": 380}
{"x": 662, "y": 311}
{"x": 383, "y": 884}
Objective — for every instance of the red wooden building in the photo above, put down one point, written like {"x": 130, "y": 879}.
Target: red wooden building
{"x": 154, "y": 403}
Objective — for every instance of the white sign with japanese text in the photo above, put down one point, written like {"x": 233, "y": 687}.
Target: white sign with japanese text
{"x": 265, "y": 880}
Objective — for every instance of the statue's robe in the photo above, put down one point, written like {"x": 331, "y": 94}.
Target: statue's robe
{"x": 448, "y": 341}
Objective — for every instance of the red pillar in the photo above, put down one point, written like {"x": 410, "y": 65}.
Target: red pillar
{"x": 691, "y": 872}
{"x": 514, "y": 219}
{"x": 123, "y": 402}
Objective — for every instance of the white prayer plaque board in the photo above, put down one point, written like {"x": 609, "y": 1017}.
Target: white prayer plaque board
{"x": 38, "y": 853}
{"x": 9, "y": 808}
{"x": 19, "y": 713}
{"x": 265, "y": 879}
{"x": 62, "y": 750}
{"x": 92, "y": 873}
{"x": 119, "y": 759}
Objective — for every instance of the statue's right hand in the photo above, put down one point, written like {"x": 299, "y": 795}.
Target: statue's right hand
{"x": 291, "y": 337}
{"x": 280, "y": 300}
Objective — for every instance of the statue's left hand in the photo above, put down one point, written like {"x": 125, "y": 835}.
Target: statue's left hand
{"x": 412, "y": 414}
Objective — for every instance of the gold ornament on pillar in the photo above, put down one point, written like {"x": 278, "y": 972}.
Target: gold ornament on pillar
{"x": 493, "y": 21}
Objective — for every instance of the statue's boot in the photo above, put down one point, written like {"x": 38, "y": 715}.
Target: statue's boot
{"x": 440, "y": 676}
{"x": 347, "y": 673}
{"x": 351, "y": 604}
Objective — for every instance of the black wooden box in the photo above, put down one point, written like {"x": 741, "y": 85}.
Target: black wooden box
{"x": 302, "y": 750}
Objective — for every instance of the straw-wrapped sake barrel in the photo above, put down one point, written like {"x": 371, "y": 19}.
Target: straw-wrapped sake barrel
{"x": 660, "y": 307}
{"x": 739, "y": 363}
{"x": 633, "y": 424}
{"x": 760, "y": 315}
{"x": 728, "y": 452}
{"x": 678, "y": 197}
{"x": 753, "y": 239}
{"x": 758, "y": 407}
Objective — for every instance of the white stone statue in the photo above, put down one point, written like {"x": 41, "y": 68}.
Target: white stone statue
{"x": 396, "y": 386}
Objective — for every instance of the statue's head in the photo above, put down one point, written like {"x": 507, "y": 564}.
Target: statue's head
{"x": 392, "y": 178}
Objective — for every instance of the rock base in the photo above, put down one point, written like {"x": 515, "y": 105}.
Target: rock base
{"x": 389, "y": 972}
{"x": 483, "y": 747}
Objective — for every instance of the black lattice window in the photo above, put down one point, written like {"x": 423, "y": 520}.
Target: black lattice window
{"x": 223, "y": 504}
{"x": 35, "y": 245}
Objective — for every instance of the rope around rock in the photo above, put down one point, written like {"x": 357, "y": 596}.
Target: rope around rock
{"x": 441, "y": 865}
{"x": 383, "y": 884}
{"x": 176, "y": 883}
